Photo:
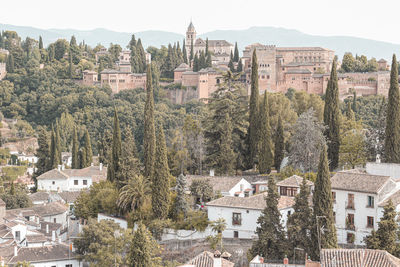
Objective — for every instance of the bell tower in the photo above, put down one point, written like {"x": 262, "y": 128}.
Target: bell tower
{"x": 190, "y": 36}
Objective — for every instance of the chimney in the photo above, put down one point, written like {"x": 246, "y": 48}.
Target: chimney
{"x": 53, "y": 236}
{"x": 47, "y": 228}
{"x": 15, "y": 251}
{"x": 59, "y": 167}
{"x": 101, "y": 166}
{"x": 286, "y": 261}
{"x": 261, "y": 260}
{"x": 217, "y": 259}
{"x": 212, "y": 172}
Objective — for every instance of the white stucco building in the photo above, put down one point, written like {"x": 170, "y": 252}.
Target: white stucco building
{"x": 62, "y": 179}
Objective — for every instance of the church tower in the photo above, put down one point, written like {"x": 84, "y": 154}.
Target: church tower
{"x": 190, "y": 37}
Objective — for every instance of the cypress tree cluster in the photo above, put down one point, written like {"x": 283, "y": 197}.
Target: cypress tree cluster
{"x": 160, "y": 179}
{"x": 253, "y": 133}
{"x": 265, "y": 153}
{"x": 331, "y": 118}
{"x": 279, "y": 151}
{"x": 138, "y": 55}
{"x": 149, "y": 139}
{"x": 43, "y": 154}
{"x": 225, "y": 163}
{"x": 55, "y": 147}
{"x": 75, "y": 150}
{"x": 392, "y": 132}
{"x": 113, "y": 167}
{"x": 236, "y": 53}
{"x": 323, "y": 208}
{"x": 88, "y": 149}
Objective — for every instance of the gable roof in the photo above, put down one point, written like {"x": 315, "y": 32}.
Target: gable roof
{"x": 293, "y": 181}
{"x": 43, "y": 254}
{"x": 212, "y": 43}
{"x": 206, "y": 259}
{"x": 358, "y": 257}
{"x": 39, "y": 196}
{"x": 256, "y": 202}
{"x": 53, "y": 208}
{"x": 218, "y": 183}
{"x": 92, "y": 171}
{"x": 358, "y": 182}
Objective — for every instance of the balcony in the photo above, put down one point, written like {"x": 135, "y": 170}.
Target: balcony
{"x": 350, "y": 205}
{"x": 236, "y": 221}
{"x": 350, "y": 226}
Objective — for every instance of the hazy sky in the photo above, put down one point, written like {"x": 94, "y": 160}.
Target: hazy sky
{"x": 361, "y": 18}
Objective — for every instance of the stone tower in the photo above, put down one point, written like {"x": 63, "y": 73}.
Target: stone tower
{"x": 190, "y": 37}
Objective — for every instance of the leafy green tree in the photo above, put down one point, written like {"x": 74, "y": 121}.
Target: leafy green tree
{"x": 143, "y": 249}
{"x": 271, "y": 243}
{"x": 129, "y": 165}
{"x": 323, "y": 209}
{"x": 388, "y": 228}
{"x": 348, "y": 62}
{"x": 349, "y": 112}
{"x": 279, "y": 148}
{"x": 160, "y": 182}
{"x": 372, "y": 241}
{"x": 299, "y": 223}
{"x": 113, "y": 167}
{"x": 202, "y": 190}
{"x": 331, "y": 118}
{"x": 253, "y": 132}
{"x": 181, "y": 203}
{"x": 149, "y": 136}
{"x": 353, "y": 149}
{"x": 265, "y": 153}
{"x": 88, "y": 149}
{"x": 225, "y": 164}
{"x": 392, "y": 132}
{"x": 10, "y": 64}
{"x": 75, "y": 150}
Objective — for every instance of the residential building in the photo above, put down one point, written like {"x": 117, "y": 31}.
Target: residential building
{"x": 259, "y": 261}
{"x": 357, "y": 257}
{"x": 291, "y": 186}
{"x": 62, "y": 179}
{"x": 101, "y": 53}
{"x": 356, "y": 203}
{"x": 225, "y": 185}
{"x": 89, "y": 77}
{"x": 208, "y": 259}
{"x": 241, "y": 213}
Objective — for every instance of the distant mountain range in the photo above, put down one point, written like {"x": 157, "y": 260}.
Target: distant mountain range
{"x": 264, "y": 35}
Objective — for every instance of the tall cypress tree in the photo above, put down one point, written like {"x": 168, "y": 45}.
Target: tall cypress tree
{"x": 239, "y": 67}
{"x": 58, "y": 144}
{"x": 43, "y": 155}
{"x": 10, "y": 63}
{"x": 279, "y": 151}
{"x": 40, "y": 42}
{"x": 149, "y": 137}
{"x": 354, "y": 105}
{"x": 253, "y": 135}
{"x": 82, "y": 158}
{"x": 299, "y": 223}
{"x": 129, "y": 165}
{"x": 53, "y": 149}
{"x": 116, "y": 150}
{"x": 392, "y": 132}
{"x": 75, "y": 150}
{"x": 236, "y": 54}
{"x": 231, "y": 66}
{"x": 323, "y": 208}
{"x": 191, "y": 53}
{"x": 207, "y": 52}
{"x": 349, "y": 112}
{"x": 196, "y": 65}
{"x": 271, "y": 242}
{"x": 225, "y": 161}
{"x": 265, "y": 153}
{"x": 331, "y": 118}
{"x": 184, "y": 52}
{"x": 160, "y": 180}
{"x": 88, "y": 148}
{"x": 70, "y": 65}
{"x": 208, "y": 60}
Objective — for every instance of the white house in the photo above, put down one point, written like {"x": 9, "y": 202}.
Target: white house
{"x": 357, "y": 199}
{"x": 62, "y": 179}
{"x": 226, "y": 185}
{"x": 241, "y": 213}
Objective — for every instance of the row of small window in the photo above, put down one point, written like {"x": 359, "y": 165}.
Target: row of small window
{"x": 66, "y": 265}
{"x": 350, "y": 221}
{"x": 350, "y": 200}
{"x": 76, "y": 182}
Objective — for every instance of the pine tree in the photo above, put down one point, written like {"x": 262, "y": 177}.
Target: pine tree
{"x": 388, "y": 229}
{"x": 236, "y": 54}
{"x": 392, "y": 132}
{"x": 299, "y": 223}
{"x": 160, "y": 181}
{"x": 184, "y": 52}
{"x": 143, "y": 249}
{"x": 196, "y": 65}
{"x": 265, "y": 153}
{"x": 149, "y": 139}
{"x": 253, "y": 134}
{"x": 181, "y": 204}
{"x": 372, "y": 241}
{"x": 226, "y": 164}
{"x": 331, "y": 118}
{"x": 43, "y": 155}
{"x": 323, "y": 209}
{"x": 271, "y": 243}
{"x": 349, "y": 112}
{"x": 10, "y": 63}
{"x": 116, "y": 150}
{"x": 40, "y": 42}
{"x": 75, "y": 150}
{"x": 279, "y": 151}
{"x": 88, "y": 149}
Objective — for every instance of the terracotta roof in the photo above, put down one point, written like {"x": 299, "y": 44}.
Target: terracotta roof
{"x": 206, "y": 259}
{"x": 182, "y": 67}
{"x": 43, "y": 254}
{"x": 358, "y": 182}
{"x": 219, "y": 183}
{"x": 358, "y": 257}
{"x": 39, "y": 196}
{"x": 256, "y": 202}
{"x": 294, "y": 181}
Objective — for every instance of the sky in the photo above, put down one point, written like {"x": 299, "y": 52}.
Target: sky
{"x": 376, "y": 20}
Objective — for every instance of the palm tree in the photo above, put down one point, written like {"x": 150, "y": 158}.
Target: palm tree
{"x": 133, "y": 195}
